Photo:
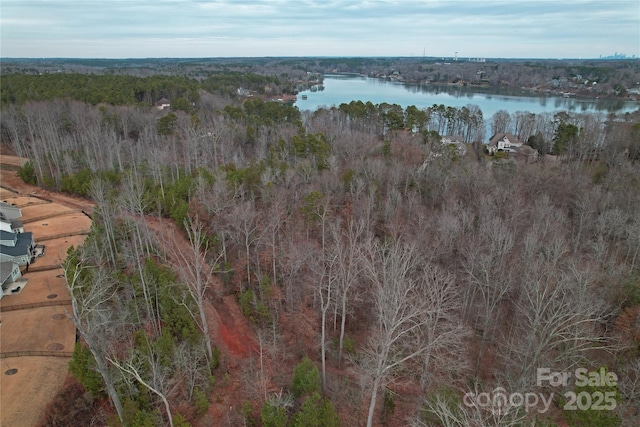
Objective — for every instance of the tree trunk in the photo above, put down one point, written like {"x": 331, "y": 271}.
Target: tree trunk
{"x": 106, "y": 376}
{"x": 372, "y": 402}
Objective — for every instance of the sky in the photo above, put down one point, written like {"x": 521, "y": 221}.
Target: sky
{"x": 257, "y": 28}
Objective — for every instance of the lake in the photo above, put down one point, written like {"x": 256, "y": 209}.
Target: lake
{"x": 339, "y": 89}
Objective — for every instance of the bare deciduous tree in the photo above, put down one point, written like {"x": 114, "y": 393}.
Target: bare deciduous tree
{"x": 188, "y": 361}
{"x": 107, "y": 212}
{"x": 244, "y": 221}
{"x": 450, "y": 413}
{"x": 488, "y": 278}
{"x": 131, "y": 369}
{"x": 196, "y": 273}
{"x": 400, "y": 288}
{"x": 347, "y": 245}
{"x": 500, "y": 122}
{"x": 444, "y": 332}
{"x": 92, "y": 291}
{"x": 558, "y": 319}
{"x": 325, "y": 266}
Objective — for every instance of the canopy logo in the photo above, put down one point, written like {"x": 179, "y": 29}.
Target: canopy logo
{"x": 499, "y": 402}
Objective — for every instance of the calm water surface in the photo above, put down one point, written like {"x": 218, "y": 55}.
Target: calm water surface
{"x": 339, "y": 89}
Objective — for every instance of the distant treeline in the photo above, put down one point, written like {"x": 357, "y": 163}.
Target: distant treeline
{"x": 124, "y": 89}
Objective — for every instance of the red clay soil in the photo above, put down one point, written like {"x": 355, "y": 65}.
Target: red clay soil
{"x": 232, "y": 329}
{"x": 229, "y": 329}
{"x": 230, "y": 332}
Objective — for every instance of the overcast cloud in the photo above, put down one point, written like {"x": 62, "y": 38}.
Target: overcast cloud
{"x": 231, "y": 28}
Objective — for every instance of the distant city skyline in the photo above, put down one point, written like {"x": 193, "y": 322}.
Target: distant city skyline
{"x": 257, "y": 28}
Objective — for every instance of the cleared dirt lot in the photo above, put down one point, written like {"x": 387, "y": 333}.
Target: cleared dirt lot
{"x": 4, "y": 193}
{"x": 23, "y": 201}
{"x": 41, "y": 210}
{"x": 67, "y": 224}
{"x": 35, "y": 383}
{"x": 37, "y": 329}
{"x": 56, "y": 251}
{"x": 42, "y": 285}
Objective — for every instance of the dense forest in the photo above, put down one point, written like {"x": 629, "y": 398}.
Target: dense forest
{"x": 388, "y": 279}
{"x": 619, "y": 79}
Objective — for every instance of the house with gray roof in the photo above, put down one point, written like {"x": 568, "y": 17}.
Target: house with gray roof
{"x": 9, "y": 212}
{"x": 12, "y": 226}
{"x": 17, "y": 247}
{"x": 9, "y": 275}
{"x": 163, "y": 104}
{"x": 10, "y": 218}
{"x": 503, "y": 142}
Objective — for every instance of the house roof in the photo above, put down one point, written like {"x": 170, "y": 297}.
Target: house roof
{"x": 5, "y": 205}
{"x": 13, "y": 223}
{"x": 9, "y": 211}
{"x": 6, "y": 268}
{"x": 500, "y": 135}
{"x": 8, "y": 206}
{"x": 24, "y": 241}
{"x": 8, "y": 236}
